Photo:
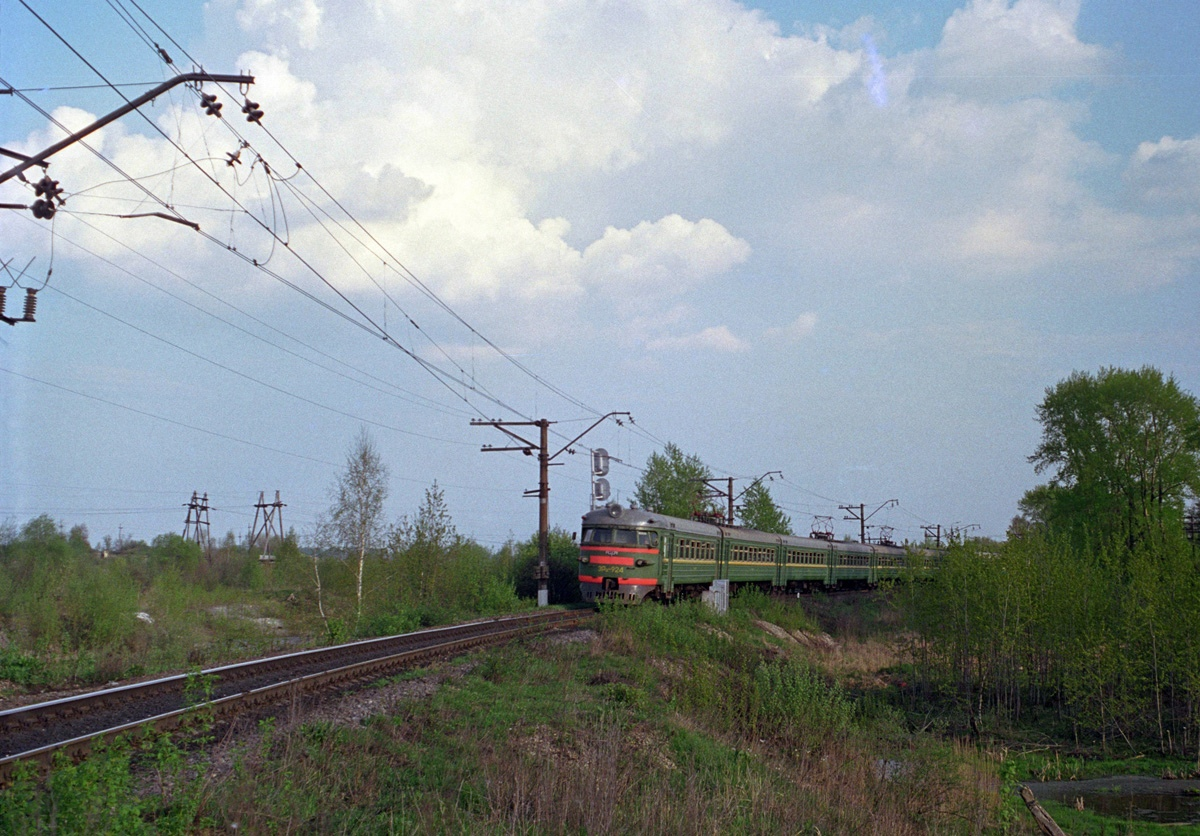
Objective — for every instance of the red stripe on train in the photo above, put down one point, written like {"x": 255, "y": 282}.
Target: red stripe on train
{"x": 618, "y": 549}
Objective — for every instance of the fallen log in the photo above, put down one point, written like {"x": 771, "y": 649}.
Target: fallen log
{"x": 1045, "y": 821}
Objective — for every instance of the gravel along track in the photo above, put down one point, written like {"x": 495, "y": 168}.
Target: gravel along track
{"x": 35, "y": 727}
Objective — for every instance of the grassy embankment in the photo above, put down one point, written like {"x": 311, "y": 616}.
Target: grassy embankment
{"x": 71, "y": 616}
{"x": 666, "y": 720}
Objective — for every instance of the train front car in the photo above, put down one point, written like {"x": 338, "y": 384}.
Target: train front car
{"x": 618, "y": 555}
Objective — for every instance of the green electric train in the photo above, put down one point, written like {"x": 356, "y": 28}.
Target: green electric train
{"x": 627, "y": 554}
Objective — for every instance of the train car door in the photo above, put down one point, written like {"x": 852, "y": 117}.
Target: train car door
{"x": 721, "y": 570}
{"x": 667, "y": 551}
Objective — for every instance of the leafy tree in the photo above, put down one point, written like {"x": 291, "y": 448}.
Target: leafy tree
{"x": 425, "y": 549}
{"x": 563, "y": 559}
{"x": 760, "y": 511}
{"x": 673, "y": 484}
{"x": 8, "y": 532}
{"x": 171, "y": 550}
{"x": 355, "y": 519}
{"x": 433, "y": 526}
{"x": 79, "y": 538}
{"x": 41, "y": 530}
{"x": 1123, "y": 448}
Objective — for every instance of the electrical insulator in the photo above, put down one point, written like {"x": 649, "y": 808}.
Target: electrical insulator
{"x": 3, "y": 291}
{"x": 211, "y": 106}
{"x": 252, "y": 111}
{"x": 47, "y": 188}
{"x": 44, "y": 209}
{"x": 30, "y": 304}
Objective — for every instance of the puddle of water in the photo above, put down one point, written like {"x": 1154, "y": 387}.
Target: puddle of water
{"x": 1136, "y": 797}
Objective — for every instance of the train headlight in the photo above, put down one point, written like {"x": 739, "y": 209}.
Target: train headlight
{"x": 641, "y": 562}
{"x": 583, "y": 558}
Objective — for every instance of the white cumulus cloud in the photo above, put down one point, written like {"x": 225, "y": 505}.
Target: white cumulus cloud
{"x": 1167, "y": 171}
{"x": 715, "y": 338}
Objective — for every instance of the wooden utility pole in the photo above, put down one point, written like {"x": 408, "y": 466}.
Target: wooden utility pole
{"x": 545, "y": 459}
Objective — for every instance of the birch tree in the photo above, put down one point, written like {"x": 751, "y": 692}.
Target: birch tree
{"x": 355, "y": 521}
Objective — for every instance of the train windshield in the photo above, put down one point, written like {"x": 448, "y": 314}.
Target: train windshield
{"x": 621, "y": 537}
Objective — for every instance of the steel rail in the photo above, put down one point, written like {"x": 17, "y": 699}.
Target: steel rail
{"x": 245, "y": 686}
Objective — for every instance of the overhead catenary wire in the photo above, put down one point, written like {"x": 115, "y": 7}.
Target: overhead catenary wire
{"x": 428, "y": 403}
{"x": 391, "y": 260}
{"x": 369, "y": 325}
{"x": 253, "y": 379}
{"x": 466, "y": 381}
{"x": 473, "y": 387}
{"x": 165, "y": 419}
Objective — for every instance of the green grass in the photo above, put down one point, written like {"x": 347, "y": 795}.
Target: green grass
{"x": 1088, "y": 823}
{"x": 673, "y": 721}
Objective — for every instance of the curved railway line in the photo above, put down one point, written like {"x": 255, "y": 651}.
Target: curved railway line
{"x": 39, "y": 731}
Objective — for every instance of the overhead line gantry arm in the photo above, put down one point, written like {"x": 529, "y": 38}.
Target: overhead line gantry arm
{"x": 128, "y": 107}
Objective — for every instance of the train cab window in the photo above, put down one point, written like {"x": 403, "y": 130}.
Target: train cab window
{"x": 621, "y": 537}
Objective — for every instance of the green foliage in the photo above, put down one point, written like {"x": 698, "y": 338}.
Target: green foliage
{"x": 354, "y": 523}
{"x": 673, "y": 484}
{"x": 1101, "y": 643}
{"x": 563, "y": 558}
{"x": 793, "y": 698}
{"x": 21, "y": 668}
{"x": 1085, "y": 619}
{"x": 106, "y": 793}
{"x": 760, "y": 512}
{"x": 433, "y": 529}
{"x": 752, "y": 602}
{"x": 1123, "y": 448}
{"x": 41, "y": 531}
{"x": 171, "y": 550}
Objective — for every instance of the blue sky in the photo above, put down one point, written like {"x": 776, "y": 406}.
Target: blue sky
{"x": 853, "y": 242}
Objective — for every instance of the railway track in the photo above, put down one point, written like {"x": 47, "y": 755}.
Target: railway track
{"x": 38, "y": 732}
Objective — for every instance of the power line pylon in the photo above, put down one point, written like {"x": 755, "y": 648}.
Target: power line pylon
{"x": 196, "y": 528}
{"x": 272, "y": 525}
{"x": 542, "y": 449}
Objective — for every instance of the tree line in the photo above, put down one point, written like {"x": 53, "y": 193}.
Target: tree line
{"x": 1084, "y": 619}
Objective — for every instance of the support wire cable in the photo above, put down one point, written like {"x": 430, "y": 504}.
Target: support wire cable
{"x": 369, "y": 327}
{"x": 432, "y": 405}
{"x": 163, "y": 418}
{"x": 255, "y": 380}
{"x": 395, "y": 264}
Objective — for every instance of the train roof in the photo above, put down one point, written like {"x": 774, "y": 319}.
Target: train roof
{"x": 636, "y": 517}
